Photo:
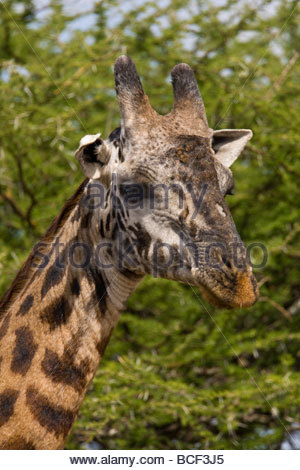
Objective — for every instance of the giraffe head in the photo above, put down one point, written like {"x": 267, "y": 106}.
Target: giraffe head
{"x": 167, "y": 177}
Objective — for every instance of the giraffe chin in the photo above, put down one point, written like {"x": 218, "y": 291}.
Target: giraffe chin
{"x": 212, "y": 299}
{"x": 244, "y": 298}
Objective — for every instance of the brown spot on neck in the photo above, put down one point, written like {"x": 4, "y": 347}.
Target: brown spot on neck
{"x": 17, "y": 443}
{"x": 7, "y": 403}
{"x": 54, "y": 418}
{"x": 63, "y": 369}
{"x": 75, "y": 287}
{"x": 53, "y": 277}
{"x": 95, "y": 276}
{"x": 26, "y": 305}
{"x": 24, "y": 351}
{"x": 57, "y": 313}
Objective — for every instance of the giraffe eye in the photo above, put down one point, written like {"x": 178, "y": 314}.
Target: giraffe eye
{"x": 132, "y": 193}
{"x": 125, "y": 189}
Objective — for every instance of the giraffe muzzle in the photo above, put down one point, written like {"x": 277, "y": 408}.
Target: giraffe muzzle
{"x": 244, "y": 293}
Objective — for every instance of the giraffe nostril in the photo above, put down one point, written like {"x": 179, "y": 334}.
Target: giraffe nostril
{"x": 226, "y": 262}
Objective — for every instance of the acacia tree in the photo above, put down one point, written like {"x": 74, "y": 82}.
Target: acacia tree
{"x": 177, "y": 373}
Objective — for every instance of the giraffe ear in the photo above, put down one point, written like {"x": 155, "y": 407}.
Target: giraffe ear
{"x": 229, "y": 143}
{"x": 92, "y": 154}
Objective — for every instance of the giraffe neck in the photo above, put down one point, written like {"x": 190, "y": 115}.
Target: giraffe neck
{"x": 57, "y": 319}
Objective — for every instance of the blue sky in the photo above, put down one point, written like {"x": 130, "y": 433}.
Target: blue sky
{"x": 86, "y": 21}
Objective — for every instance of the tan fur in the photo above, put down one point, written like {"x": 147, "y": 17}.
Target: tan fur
{"x": 92, "y": 330}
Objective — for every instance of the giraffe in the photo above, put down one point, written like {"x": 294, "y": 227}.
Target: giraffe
{"x": 59, "y": 313}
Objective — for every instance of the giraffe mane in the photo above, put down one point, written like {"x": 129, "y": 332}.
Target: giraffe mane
{"x": 22, "y": 276}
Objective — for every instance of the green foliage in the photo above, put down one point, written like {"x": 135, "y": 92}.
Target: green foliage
{"x": 177, "y": 373}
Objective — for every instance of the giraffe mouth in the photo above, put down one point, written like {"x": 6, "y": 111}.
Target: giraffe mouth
{"x": 244, "y": 294}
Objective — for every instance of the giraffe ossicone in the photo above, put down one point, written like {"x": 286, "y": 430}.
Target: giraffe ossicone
{"x": 153, "y": 202}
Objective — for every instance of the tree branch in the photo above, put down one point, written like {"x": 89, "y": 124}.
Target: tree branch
{"x": 13, "y": 205}
{"x": 278, "y": 83}
{"x": 277, "y": 306}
